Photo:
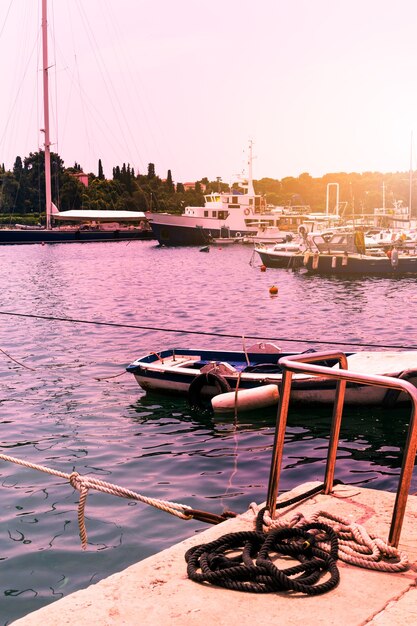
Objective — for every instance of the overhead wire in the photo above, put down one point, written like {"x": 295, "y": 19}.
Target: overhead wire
{"x": 206, "y": 333}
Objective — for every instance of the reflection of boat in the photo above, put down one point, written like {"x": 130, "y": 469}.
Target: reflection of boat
{"x": 202, "y": 374}
{"x": 90, "y": 224}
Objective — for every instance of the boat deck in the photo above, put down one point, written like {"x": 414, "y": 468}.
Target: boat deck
{"x": 158, "y": 591}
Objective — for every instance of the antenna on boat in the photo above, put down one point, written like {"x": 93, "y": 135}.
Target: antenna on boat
{"x": 47, "y": 144}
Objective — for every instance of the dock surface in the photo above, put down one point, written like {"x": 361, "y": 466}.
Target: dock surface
{"x": 158, "y": 591}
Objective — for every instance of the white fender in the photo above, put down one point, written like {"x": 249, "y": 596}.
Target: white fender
{"x": 246, "y": 399}
{"x": 394, "y": 258}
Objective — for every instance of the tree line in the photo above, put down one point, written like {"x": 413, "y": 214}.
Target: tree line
{"x": 22, "y": 190}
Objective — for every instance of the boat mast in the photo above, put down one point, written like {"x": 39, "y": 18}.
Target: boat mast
{"x": 251, "y": 190}
{"x": 47, "y": 144}
{"x": 410, "y": 182}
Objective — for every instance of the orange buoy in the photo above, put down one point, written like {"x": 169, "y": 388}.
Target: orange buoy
{"x": 263, "y": 268}
{"x": 273, "y": 290}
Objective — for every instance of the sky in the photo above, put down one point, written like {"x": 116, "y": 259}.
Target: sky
{"x": 318, "y": 86}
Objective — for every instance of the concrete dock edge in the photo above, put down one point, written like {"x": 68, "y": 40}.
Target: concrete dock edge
{"x": 158, "y": 591}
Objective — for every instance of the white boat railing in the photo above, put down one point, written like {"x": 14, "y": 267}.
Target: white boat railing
{"x": 305, "y": 364}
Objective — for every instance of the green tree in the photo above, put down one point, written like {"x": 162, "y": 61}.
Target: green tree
{"x": 168, "y": 183}
{"x": 151, "y": 171}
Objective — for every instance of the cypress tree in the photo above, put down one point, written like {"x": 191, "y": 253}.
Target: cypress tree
{"x": 151, "y": 170}
{"x": 100, "y": 170}
{"x": 169, "y": 182}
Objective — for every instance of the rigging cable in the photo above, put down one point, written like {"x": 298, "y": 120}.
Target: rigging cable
{"x": 206, "y": 333}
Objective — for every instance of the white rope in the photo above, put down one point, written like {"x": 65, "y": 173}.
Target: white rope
{"x": 356, "y": 545}
{"x": 84, "y": 483}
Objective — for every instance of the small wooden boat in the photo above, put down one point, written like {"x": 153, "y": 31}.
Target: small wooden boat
{"x": 203, "y": 374}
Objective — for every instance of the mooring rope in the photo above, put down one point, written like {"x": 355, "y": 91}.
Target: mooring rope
{"x": 355, "y": 545}
{"x": 83, "y": 484}
{"x": 206, "y": 333}
{"x": 253, "y": 569}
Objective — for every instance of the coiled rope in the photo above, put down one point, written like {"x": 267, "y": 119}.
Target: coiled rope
{"x": 253, "y": 569}
{"x": 355, "y": 545}
{"x": 84, "y": 484}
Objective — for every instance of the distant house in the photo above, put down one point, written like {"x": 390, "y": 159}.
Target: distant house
{"x": 81, "y": 177}
{"x": 188, "y": 186}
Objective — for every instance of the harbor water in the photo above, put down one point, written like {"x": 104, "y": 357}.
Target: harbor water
{"x": 66, "y": 403}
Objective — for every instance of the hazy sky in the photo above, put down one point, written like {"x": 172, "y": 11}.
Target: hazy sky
{"x": 318, "y": 85}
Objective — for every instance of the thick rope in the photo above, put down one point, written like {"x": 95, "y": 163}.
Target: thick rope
{"x": 253, "y": 569}
{"x": 355, "y": 545}
{"x": 83, "y": 484}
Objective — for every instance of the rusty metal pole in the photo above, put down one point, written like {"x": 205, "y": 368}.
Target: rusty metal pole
{"x": 277, "y": 451}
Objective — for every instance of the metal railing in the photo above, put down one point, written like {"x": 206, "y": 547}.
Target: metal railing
{"x": 305, "y": 364}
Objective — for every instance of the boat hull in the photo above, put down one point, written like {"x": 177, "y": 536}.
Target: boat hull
{"x": 358, "y": 264}
{"x": 172, "y": 234}
{"x": 28, "y": 236}
{"x": 281, "y": 259}
{"x": 174, "y": 374}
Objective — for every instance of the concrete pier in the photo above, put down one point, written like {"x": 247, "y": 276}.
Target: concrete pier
{"x": 158, "y": 591}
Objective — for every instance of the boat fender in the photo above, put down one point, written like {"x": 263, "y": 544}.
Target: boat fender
{"x": 345, "y": 259}
{"x": 394, "y": 258}
{"x": 200, "y": 400}
{"x": 334, "y": 261}
{"x": 315, "y": 262}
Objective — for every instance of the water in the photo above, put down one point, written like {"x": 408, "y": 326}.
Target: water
{"x": 60, "y": 415}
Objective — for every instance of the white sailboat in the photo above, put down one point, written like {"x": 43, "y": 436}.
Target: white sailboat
{"x": 89, "y": 222}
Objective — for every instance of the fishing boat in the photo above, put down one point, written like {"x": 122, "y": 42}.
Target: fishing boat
{"x": 201, "y": 375}
{"x": 348, "y": 253}
{"x": 236, "y": 213}
{"x": 90, "y": 226}
{"x": 281, "y": 255}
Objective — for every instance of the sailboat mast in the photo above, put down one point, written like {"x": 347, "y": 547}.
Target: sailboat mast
{"x": 410, "y": 182}
{"x": 47, "y": 144}
{"x": 251, "y": 190}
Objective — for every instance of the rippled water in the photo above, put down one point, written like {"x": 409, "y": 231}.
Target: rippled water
{"x": 60, "y": 415}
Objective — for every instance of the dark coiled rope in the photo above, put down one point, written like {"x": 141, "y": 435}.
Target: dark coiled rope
{"x": 253, "y": 570}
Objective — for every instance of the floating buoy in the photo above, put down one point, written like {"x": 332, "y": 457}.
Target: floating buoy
{"x": 263, "y": 268}
{"x": 273, "y": 290}
{"x": 246, "y": 399}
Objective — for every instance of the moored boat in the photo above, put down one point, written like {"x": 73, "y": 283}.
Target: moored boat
{"x": 90, "y": 226}
{"x": 236, "y": 212}
{"x": 349, "y": 253}
{"x": 202, "y": 374}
